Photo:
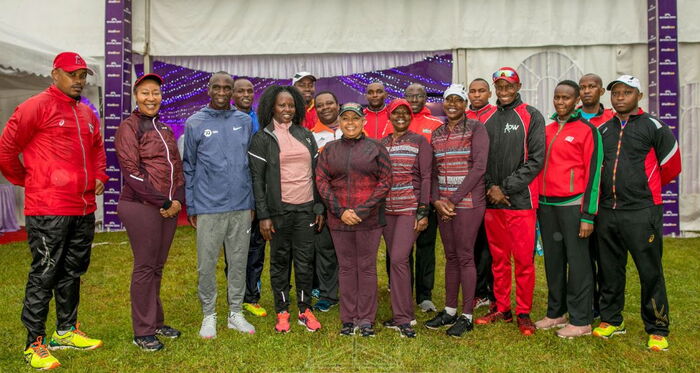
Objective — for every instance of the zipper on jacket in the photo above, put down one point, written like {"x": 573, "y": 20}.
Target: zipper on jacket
{"x": 571, "y": 182}
{"x": 617, "y": 157}
{"x": 167, "y": 154}
{"x": 347, "y": 169}
{"x": 546, "y": 159}
{"x": 82, "y": 148}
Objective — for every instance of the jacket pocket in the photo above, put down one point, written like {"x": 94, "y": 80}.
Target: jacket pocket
{"x": 572, "y": 179}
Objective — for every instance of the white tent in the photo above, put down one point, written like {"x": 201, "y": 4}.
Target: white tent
{"x": 549, "y": 40}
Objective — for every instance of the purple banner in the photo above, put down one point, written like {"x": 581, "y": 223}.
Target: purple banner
{"x": 117, "y": 100}
{"x": 664, "y": 99}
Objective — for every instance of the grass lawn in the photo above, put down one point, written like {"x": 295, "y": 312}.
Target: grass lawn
{"x": 105, "y": 313}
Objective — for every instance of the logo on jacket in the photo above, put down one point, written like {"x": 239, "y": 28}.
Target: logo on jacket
{"x": 510, "y": 128}
{"x": 92, "y": 128}
{"x": 236, "y": 128}
{"x": 569, "y": 139}
{"x": 62, "y": 122}
{"x": 208, "y": 132}
{"x": 308, "y": 140}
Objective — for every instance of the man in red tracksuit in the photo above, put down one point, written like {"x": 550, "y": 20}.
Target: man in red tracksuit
{"x": 305, "y": 82}
{"x": 62, "y": 169}
{"x": 480, "y": 109}
{"x": 376, "y": 112}
{"x": 516, "y": 156}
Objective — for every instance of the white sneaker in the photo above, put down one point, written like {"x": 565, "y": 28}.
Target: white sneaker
{"x": 208, "y": 329}
{"x": 427, "y": 306}
{"x": 237, "y": 321}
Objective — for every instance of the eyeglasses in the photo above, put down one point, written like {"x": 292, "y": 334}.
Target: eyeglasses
{"x": 415, "y": 97}
{"x": 504, "y": 74}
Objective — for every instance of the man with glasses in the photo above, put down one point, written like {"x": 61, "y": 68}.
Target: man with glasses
{"x": 516, "y": 156}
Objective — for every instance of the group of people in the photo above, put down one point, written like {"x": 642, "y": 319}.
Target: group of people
{"x": 324, "y": 182}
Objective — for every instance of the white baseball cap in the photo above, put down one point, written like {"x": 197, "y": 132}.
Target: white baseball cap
{"x": 301, "y": 75}
{"x": 627, "y": 80}
{"x": 455, "y": 89}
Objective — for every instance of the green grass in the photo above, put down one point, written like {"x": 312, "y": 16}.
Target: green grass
{"x": 105, "y": 313}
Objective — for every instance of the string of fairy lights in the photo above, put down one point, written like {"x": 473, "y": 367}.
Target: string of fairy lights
{"x": 185, "y": 90}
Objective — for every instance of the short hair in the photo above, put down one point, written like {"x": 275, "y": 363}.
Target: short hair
{"x": 572, "y": 84}
{"x": 595, "y": 77}
{"x": 480, "y": 80}
{"x": 266, "y": 107}
{"x": 327, "y": 93}
{"x": 211, "y": 79}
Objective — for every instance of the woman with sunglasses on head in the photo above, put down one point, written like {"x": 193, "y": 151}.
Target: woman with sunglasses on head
{"x": 151, "y": 199}
{"x": 460, "y": 148}
{"x": 569, "y": 186}
{"x": 353, "y": 178}
{"x": 406, "y": 209}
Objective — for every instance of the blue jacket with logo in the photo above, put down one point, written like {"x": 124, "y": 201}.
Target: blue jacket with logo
{"x": 217, "y": 178}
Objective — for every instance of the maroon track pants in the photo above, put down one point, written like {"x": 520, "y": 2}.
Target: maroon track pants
{"x": 357, "y": 275}
{"x": 512, "y": 233}
{"x": 399, "y": 237}
{"x": 458, "y": 238}
{"x": 150, "y": 236}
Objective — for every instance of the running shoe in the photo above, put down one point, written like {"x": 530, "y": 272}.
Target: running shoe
{"x": 168, "y": 332}
{"x": 237, "y": 321}
{"x": 367, "y": 330}
{"x": 548, "y": 323}
{"x": 494, "y": 316}
{"x": 525, "y": 324}
{"x": 441, "y": 319}
{"x": 148, "y": 343}
{"x": 391, "y": 324}
{"x": 255, "y": 308}
{"x": 573, "y": 331}
{"x": 282, "y": 325}
{"x": 208, "y": 329}
{"x": 324, "y": 305}
{"x": 657, "y": 343}
{"x": 75, "y": 338}
{"x": 461, "y": 326}
{"x": 348, "y": 329}
{"x": 427, "y": 306}
{"x": 605, "y": 330}
{"x": 406, "y": 331}
{"x": 481, "y": 302}
{"x": 39, "y": 357}
{"x": 316, "y": 293}
{"x": 308, "y": 319}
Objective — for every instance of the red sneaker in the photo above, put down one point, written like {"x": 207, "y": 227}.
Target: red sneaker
{"x": 495, "y": 316}
{"x": 525, "y": 324}
{"x": 308, "y": 320}
{"x": 282, "y": 325}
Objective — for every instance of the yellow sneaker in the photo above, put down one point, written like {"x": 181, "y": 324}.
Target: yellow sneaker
{"x": 38, "y": 357}
{"x": 657, "y": 343}
{"x": 255, "y": 308}
{"x": 605, "y": 330}
{"x": 75, "y": 338}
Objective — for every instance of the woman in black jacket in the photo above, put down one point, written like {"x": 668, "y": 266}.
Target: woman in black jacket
{"x": 282, "y": 158}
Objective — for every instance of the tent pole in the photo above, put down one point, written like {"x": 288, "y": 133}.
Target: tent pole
{"x": 147, "y": 63}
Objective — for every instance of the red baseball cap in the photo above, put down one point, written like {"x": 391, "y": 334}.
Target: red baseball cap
{"x": 151, "y": 76}
{"x": 70, "y": 61}
{"x": 507, "y": 73}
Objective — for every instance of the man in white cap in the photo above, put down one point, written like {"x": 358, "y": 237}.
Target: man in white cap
{"x": 305, "y": 82}
{"x": 62, "y": 169}
{"x": 640, "y": 156}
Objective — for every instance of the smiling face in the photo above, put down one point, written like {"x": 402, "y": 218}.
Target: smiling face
{"x": 284, "y": 108}
{"x": 565, "y": 100}
{"x": 148, "y": 97}
{"x": 327, "y": 108}
{"x": 400, "y": 118}
{"x": 243, "y": 93}
{"x": 70, "y": 83}
{"x": 220, "y": 91}
{"x": 416, "y": 96}
{"x": 506, "y": 91}
{"x": 351, "y": 124}
{"x": 307, "y": 88}
{"x": 454, "y": 107}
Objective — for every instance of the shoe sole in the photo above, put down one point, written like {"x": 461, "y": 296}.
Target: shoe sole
{"x": 52, "y": 366}
{"x": 406, "y": 336}
{"x": 146, "y": 349}
{"x": 657, "y": 349}
{"x": 282, "y": 331}
{"x": 477, "y": 322}
{"x": 572, "y": 336}
{"x": 207, "y": 337}
{"x": 307, "y": 328}
{"x": 552, "y": 327}
{"x": 63, "y": 347}
{"x": 437, "y": 327}
{"x": 239, "y": 330}
{"x": 624, "y": 331}
{"x": 527, "y": 332}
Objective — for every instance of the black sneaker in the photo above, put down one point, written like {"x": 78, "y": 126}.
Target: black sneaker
{"x": 348, "y": 329}
{"x": 390, "y": 324}
{"x": 148, "y": 343}
{"x": 367, "y": 330}
{"x": 168, "y": 332}
{"x": 463, "y": 325}
{"x": 407, "y": 331}
{"x": 440, "y": 320}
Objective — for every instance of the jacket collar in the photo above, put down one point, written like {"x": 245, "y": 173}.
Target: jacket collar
{"x": 423, "y": 112}
{"x": 144, "y": 116}
{"x": 576, "y": 115}
{"x": 57, "y": 93}
{"x": 218, "y": 113}
{"x": 601, "y": 109}
{"x": 481, "y": 110}
{"x": 368, "y": 110}
{"x": 640, "y": 112}
{"x": 362, "y": 136}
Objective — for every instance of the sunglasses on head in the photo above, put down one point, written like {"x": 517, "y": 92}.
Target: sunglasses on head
{"x": 504, "y": 74}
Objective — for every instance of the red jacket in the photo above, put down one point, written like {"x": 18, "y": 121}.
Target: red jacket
{"x": 63, "y": 154}
{"x": 378, "y": 124}
{"x": 149, "y": 160}
{"x": 311, "y": 116}
{"x": 354, "y": 174}
{"x": 601, "y": 117}
{"x": 572, "y": 165}
{"x": 483, "y": 114}
{"x": 424, "y": 123}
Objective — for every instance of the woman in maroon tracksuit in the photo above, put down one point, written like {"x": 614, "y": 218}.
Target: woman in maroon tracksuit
{"x": 460, "y": 148}
{"x": 406, "y": 208}
{"x": 149, "y": 204}
{"x": 353, "y": 176}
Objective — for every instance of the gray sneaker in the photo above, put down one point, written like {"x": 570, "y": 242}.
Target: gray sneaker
{"x": 208, "y": 329}
{"x": 427, "y": 306}
{"x": 237, "y": 321}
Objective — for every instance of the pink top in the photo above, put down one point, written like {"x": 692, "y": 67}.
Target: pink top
{"x": 295, "y": 167}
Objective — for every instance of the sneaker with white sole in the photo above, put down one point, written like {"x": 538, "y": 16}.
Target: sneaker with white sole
{"x": 208, "y": 329}
{"x": 427, "y": 306}
{"x": 237, "y": 321}
{"x": 548, "y": 323}
{"x": 573, "y": 331}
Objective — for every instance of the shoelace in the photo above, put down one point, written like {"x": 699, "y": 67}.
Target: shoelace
{"x": 604, "y": 325}
{"x": 40, "y": 348}
{"x": 657, "y": 337}
{"x": 77, "y": 331}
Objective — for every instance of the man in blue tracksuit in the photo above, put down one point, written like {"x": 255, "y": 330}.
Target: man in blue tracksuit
{"x": 219, "y": 198}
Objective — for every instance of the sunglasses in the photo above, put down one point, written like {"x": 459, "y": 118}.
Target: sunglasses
{"x": 505, "y": 74}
